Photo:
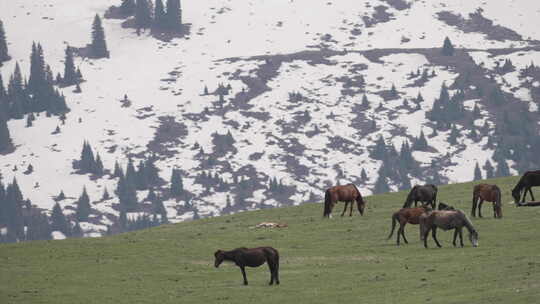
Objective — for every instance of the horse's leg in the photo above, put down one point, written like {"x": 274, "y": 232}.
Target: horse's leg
{"x": 344, "y": 209}
{"x": 403, "y": 235}
{"x": 434, "y": 233}
{"x": 244, "y": 275}
{"x": 426, "y": 233}
{"x": 351, "y": 206}
{"x": 480, "y": 207}
{"x": 276, "y": 271}
{"x": 474, "y": 204}
{"x": 461, "y": 236}
{"x": 530, "y": 191}
{"x": 272, "y": 268}
{"x": 398, "y": 233}
{"x": 524, "y": 195}
{"x": 455, "y": 237}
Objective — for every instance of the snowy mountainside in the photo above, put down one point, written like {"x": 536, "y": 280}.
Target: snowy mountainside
{"x": 329, "y": 53}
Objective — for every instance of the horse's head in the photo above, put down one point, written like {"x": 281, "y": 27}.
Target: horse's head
{"x": 473, "y": 237}
{"x": 219, "y": 258}
{"x": 516, "y": 194}
{"x": 361, "y": 203}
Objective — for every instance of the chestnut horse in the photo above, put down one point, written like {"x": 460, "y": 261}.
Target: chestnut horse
{"x": 253, "y": 257}
{"x": 348, "y": 194}
{"x": 404, "y": 216}
{"x": 528, "y": 180}
{"x": 446, "y": 220}
{"x": 490, "y": 193}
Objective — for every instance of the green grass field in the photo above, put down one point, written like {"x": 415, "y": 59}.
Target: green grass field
{"x": 341, "y": 260}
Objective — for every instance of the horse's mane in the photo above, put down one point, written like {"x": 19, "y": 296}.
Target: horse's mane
{"x": 468, "y": 222}
{"x": 412, "y": 192}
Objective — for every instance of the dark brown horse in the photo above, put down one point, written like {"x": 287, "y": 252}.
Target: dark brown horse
{"x": 253, "y": 257}
{"x": 426, "y": 193}
{"x": 526, "y": 182}
{"x": 348, "y": 194}
{"x": 446, "y": 220}
{"x": 490, "y": 193}
{"x": 404, "y": 216}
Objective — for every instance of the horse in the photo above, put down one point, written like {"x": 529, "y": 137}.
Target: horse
{"x": 252, "y": 257}
{"x": 490, "y": 193}
{"x": 446, "y": 220}
{"x": 443, "y": 206}
{"x": 404, "y": 216}
{"x": 426, "y": 194}
{"x": 348, "y": 194}
{"x": 528, "y": 180}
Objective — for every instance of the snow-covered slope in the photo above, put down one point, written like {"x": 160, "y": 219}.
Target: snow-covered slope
{"x": 266, "y": 49}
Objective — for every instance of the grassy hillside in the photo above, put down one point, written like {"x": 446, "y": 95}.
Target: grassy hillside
{"x": 340, "y": 260}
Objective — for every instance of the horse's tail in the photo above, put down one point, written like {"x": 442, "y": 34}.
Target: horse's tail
{"x": 394, "y": 220}
{"x": 327, "y": 203}
{"x": 498, "y": 202}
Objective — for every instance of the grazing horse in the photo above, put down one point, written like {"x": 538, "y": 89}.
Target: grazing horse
{"x": 446, "y": 220}
{"x": 490, "y": 193}
{"x": 528, "y": 180}
{"x": 404, "y": 216}
{"x": 348, "y": 194}
{"x": 426, "y": 194}
{"x": 443, "y": 206}
{"x": 253, "y": 257}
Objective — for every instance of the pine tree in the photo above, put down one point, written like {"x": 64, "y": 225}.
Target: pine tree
{"x": 59, "y": 221}
{"x": 5, "y": 138}
{"x": 77, "y": 230}
{"x": 160, "y": 20}
{"x": 4, "y": 55}
{"x": 143, "y": 15}
{"x": 117, "y": 170}
{"x": 38, "y": 227}
{"x": 454, "y": 134}
{"x": 83, "y": 207}
{"x": 380, "y": 148}
{"x": 448, "y": 48}
{"x": 421, "y": 143}
{"x": 489, "y": 169}
{"x": 476, "y": 112}
{"x": 363, "y": 175}
{"x": 61, "y": 196}
{"x": 98, "y": 47}
{"x": 174, "y": 14}
{"x": 37, "y": 77}
{"x": 70, "y": 74}
{"x": 98, "y": 166}
{"x": 381, "y": 185}
{"x": 365, "y": 101}
{"x": 127, "y": 7}
{"x": 106, "y": 194}
{"x": 393, "y": 92}
{"x": 131, "y": 173}
{"x": 16, "y": 94}
{"x": 477, "y": 172}
{"x": 502, "y": 169}
{"x": 14, "y": 215}
{"x": 497, "y": 96}
{"x": 177, "y": 187}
